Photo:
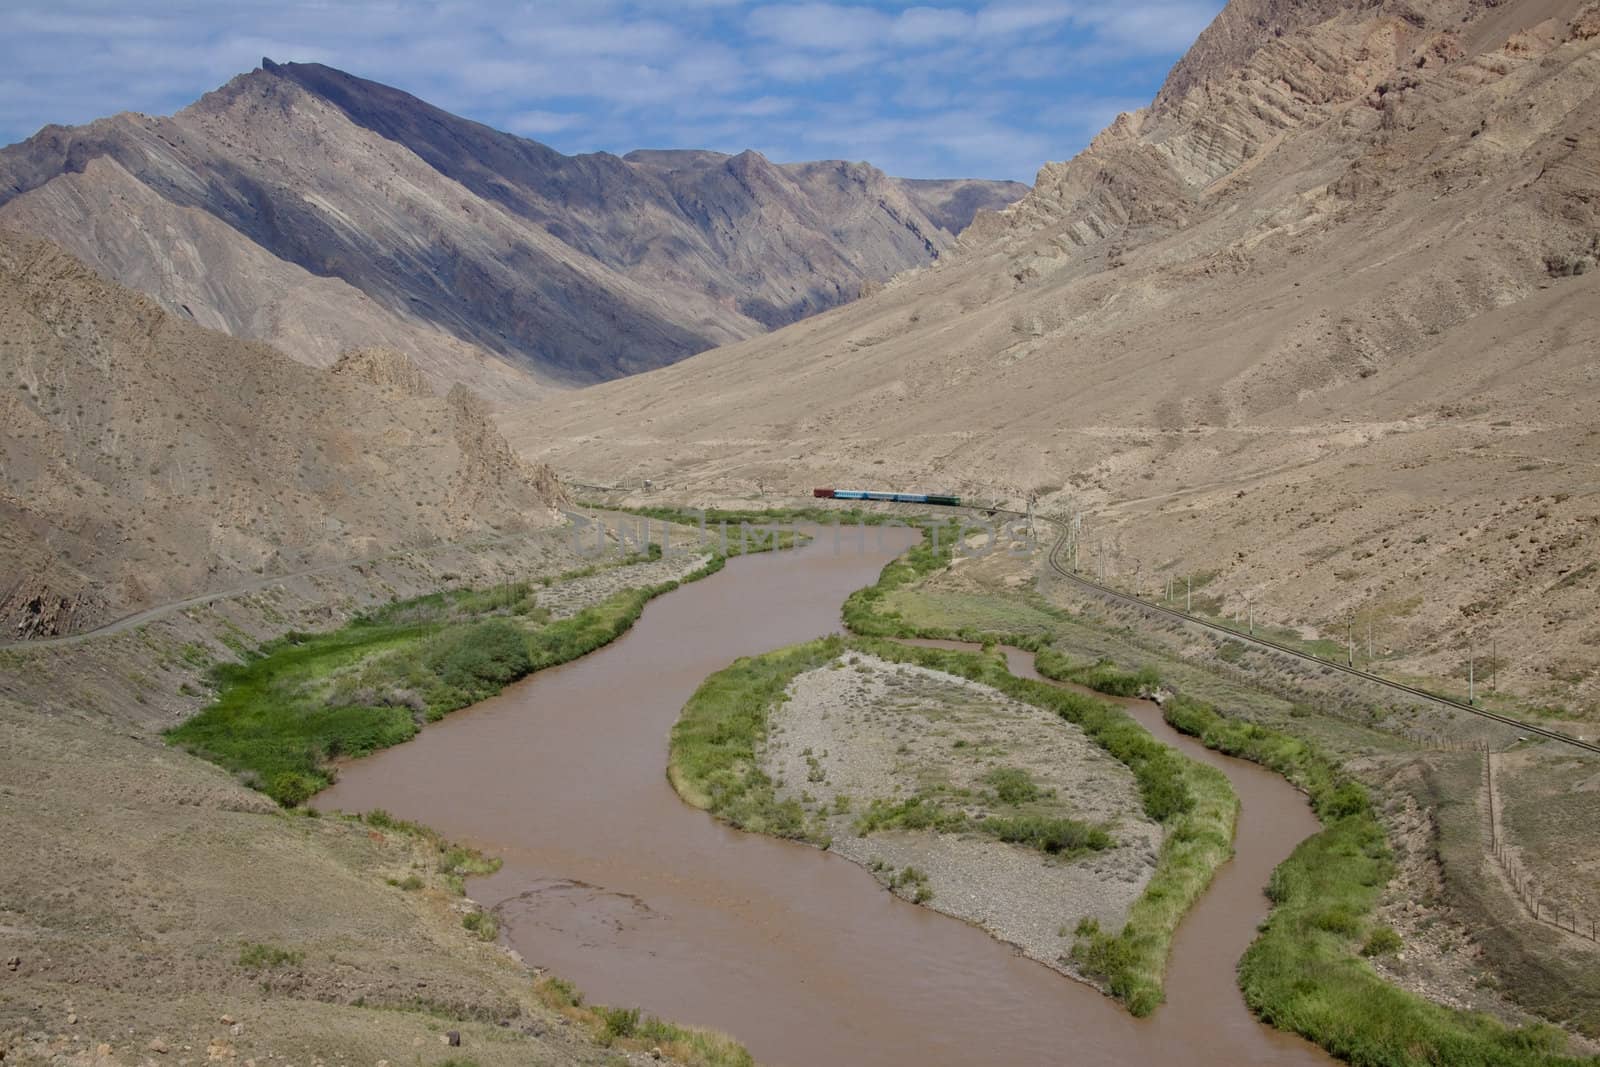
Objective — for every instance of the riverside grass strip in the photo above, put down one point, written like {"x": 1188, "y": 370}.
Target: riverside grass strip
{"x": 287, "y": 709}
{"x": 1305, "y": 972}
{"x": 629, "y": 1030}
{"x": 713, "y": 765}
{"x": 1195, "y": 804}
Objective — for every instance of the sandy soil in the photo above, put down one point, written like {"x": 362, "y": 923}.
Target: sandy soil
{"x": 865, "y": 729}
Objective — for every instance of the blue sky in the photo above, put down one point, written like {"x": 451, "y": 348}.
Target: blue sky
{"x": 982, "y": 89}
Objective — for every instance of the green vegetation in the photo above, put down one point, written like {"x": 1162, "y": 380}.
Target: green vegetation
{"x": 630, "y": 1030}
{"x": 304, "y": 699}
{"x": 913, "y": 881}
{"x": 1304, "y": 973}
{"x": 1381, "y": 942}
{"x": 481, "y": 925}
{"x": 1198, "y": 840}
{"x": 713, "y": 766}
{"x": 455, "y": 862}
{"x": 1012, "y": 785}
{"x": 258, "y": 957}
{"x": 1103, "y": 676}
{"x": 919, "y": 812}
{"x": 1195, "y": 804}
{"x": 712, "y": 762}
{"x": 865, "y": 612}
{"x": 712, "y": 759}
{"x": 1055, "y": 835}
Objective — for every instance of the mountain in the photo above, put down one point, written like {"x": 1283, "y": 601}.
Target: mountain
{"x": 146, "y": 459}
{"x": 311, "y": 209}
{"x": 1318, "y": 325}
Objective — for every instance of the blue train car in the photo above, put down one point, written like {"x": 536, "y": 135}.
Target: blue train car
{"x": 893, "y": 498}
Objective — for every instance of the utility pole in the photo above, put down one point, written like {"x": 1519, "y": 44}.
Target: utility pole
{"x": 1369, "y": 638}
{"x": 1472, "y": 656}
{"x": 1494, "y": 665}
{"x": 1252, "y": 606}
{"x": 1350, "y": 639}
{"x": 1188, "y": 595}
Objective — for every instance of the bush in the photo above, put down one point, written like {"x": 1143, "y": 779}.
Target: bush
{"x": 1053, "y": 835}
{"x": 1013, "y": 785}
{"x": 1381, "y": 942}
{"x": 477, "y": 661}
{"x": 259, "y": 957}
{"x": 617, "y": 1023}
{"x": 481, "y": 925}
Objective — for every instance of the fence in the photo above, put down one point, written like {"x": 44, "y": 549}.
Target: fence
{"x": 1533, "y": 898}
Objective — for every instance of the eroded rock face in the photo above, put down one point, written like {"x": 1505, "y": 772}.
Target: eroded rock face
{"x": 318, "y": 211}
{"x": 144, "y": 459}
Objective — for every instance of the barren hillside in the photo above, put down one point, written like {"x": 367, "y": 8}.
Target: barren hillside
{"x": 311, "y": 209}
{"x": 146, "y": 458}
{"x": 1318, "y": 326}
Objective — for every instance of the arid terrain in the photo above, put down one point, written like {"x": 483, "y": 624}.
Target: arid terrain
{"x": 1316, "y": 327}
{"x": 863, "y": 731}
{"x": 314, "y": 210}
{"x": 296, "y": 386}
{"x": 147, "y": 459}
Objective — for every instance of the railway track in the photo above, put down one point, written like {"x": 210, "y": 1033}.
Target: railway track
{"x": 1107, "y": 592}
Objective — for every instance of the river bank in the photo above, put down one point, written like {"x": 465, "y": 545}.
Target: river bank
{"x": 157, "y": 909}
{"x": 1314, "y": 970}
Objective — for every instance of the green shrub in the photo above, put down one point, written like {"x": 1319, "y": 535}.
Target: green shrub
{"x": 481, "y": 925}
{"x": 1052, "y": 835}
{"x": 259, "y": 957}
{"x": 618, "y": 1023}
{"x": 478, "y": 660}
{"x": 1381, "y": 942}
{"x": 1012, "y": 785}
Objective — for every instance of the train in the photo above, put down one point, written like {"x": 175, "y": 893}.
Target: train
{"x": 941, "y": 499}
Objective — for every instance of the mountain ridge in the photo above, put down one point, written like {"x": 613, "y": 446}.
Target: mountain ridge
{"x": 347, "y": 203}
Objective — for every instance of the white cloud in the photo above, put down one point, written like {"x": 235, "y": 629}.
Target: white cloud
{"x": 929, "y": 25}
{"x": 929, "y": 87}
{"x": 541, "y": 123}
{"x": 824, "y": 27}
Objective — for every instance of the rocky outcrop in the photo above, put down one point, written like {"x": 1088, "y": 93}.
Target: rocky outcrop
{"x": 386, "y": 368}
{"x": 145, "y": 459}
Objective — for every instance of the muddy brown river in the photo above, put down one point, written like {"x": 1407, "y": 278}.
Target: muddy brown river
{"x": 614, "y": 883}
